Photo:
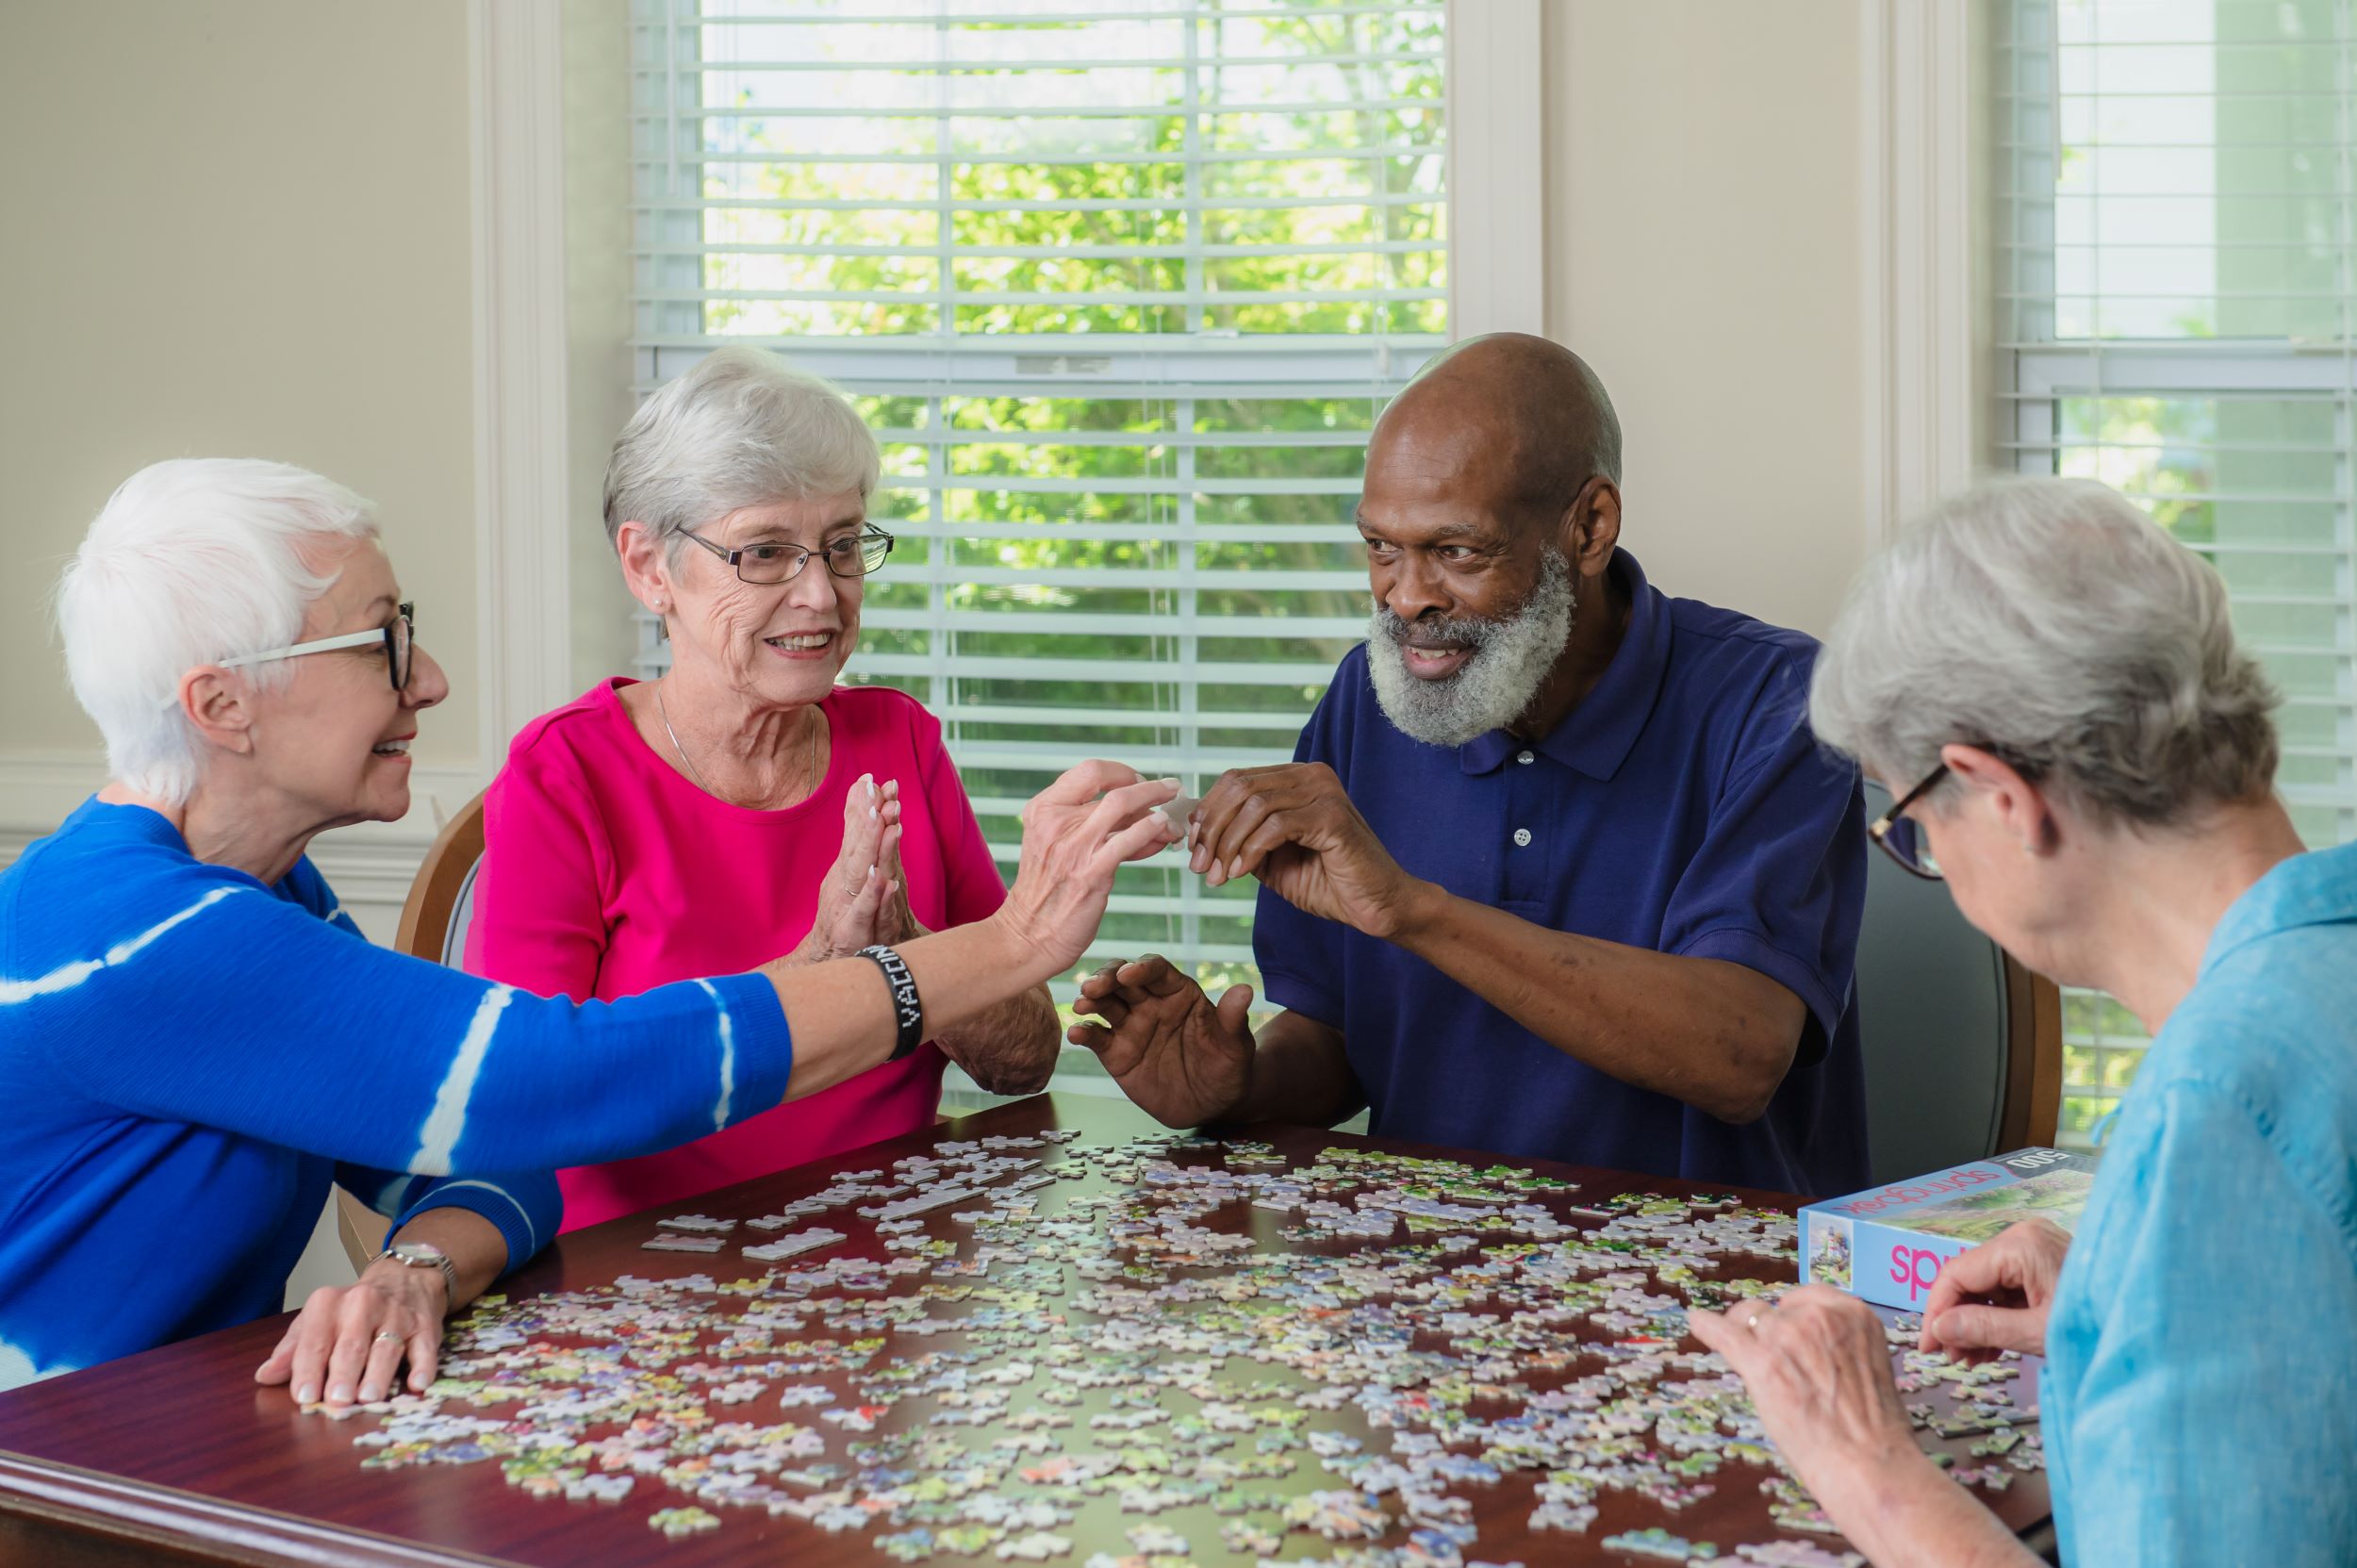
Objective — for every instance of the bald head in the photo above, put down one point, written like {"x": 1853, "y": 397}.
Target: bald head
{"x": 1517, "y": 415}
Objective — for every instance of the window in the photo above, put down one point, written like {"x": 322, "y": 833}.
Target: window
{"x": 1121, "y": 285}
{"x": 2175, "y": 281}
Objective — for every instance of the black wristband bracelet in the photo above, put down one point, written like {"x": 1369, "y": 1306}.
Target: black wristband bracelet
{"x": 905, "y": 1007}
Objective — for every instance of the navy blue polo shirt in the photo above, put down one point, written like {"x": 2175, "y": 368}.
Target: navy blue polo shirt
{"x": 1684, "y": 807}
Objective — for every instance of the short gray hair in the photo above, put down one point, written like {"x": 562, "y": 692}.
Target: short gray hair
{"x": 190, "y": 562}
{"x": 2052, "y": 624}
{"x": 742, "y": 428}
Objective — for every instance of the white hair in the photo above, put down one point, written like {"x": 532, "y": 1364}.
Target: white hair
{"x": 2052, "y": 624}
{"x": 741, "y": 428}
{"x": 190, "y": 562}
{"x": 1512, "y": 657}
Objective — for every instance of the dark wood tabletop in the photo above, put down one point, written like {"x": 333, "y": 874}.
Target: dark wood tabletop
{"x": 176, "y": 1455}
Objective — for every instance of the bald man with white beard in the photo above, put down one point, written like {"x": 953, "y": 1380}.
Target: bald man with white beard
{"x": 1558, "y": 869}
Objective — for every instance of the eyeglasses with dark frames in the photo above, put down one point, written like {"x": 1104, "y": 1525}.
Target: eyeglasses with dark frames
{"x": 769, "y": 564}
{"x": 399, "y": 636}
{"x": 1902, "y": 837}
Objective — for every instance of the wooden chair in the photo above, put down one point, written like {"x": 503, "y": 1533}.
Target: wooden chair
{"x": 433, "y": 926}
{"x": 434, "y": 920}
{"x": 1963, "y": 1044}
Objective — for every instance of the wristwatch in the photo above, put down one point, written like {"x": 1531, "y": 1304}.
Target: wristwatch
{"x": 426, "y": 1255}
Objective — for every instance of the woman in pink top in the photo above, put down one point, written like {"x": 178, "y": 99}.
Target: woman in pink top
{"x": 744, "y": 805}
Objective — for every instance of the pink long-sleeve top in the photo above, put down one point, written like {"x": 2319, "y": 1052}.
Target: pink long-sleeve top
{"x": 605, "y": 873}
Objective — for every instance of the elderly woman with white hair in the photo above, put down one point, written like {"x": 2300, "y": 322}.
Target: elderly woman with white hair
{"x": 2049, "y": 685}
{"x": 195, "y": 1040}
{"x": 745, "y": 803}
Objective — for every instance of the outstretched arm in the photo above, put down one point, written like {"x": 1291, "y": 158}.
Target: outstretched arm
{"x": 1716, "y": 1035}
{"x": 317, "y": 1042}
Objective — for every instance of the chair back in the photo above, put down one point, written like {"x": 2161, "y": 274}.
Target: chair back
{"x": 441, "y": 899}
{"x": 1963, "y": 1045}
{"x": 433, "y": 926}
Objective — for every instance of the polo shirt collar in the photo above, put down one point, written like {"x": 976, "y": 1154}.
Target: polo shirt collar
{"x": 1595, "y": 737}
{"x": 2319, "y": 888}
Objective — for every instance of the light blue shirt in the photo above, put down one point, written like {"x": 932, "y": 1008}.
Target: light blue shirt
{"x": 2201, "y": 1388}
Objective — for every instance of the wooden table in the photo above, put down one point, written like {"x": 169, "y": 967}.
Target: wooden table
{"x": 176, "y": 1455}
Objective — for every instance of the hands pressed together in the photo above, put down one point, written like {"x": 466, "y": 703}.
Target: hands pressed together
{"x": 864, "y": 898}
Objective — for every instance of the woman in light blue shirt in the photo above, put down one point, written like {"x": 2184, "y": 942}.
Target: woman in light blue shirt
{"x": 2050, "y": 684}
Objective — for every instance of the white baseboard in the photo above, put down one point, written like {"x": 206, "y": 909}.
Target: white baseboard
{"x": 370, "y": 865}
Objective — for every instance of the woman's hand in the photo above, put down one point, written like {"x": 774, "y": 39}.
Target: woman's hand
{"x": 896, "y": 921}
{"x": 1996, "y": 1296}
{"x": 1817, "y": 1366}
{"x": 1076, "y": 834}
{"x": 859, "y": 900}
{"x": 347, "y": 1343}
{"x": 1818, "y": 1369}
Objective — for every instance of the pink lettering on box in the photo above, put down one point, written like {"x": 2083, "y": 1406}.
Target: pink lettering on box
{"x": 1914, "y": 1267}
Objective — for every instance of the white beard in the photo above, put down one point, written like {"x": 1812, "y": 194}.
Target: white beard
{"x": 1511, "y": 659}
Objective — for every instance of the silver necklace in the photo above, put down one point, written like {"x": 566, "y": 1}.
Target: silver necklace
{"x": 664, "y": 714}
{"x": 810, "y": 766}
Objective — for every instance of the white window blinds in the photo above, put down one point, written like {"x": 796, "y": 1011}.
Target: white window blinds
{"x": 1121, "y": 286}
{"x": 2176, "y": 236}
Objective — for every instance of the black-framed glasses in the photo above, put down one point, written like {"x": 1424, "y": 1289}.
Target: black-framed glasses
{"x": 1902, "y": 837}
{"x": 399, "y": 636}
{"x": 769, "y": 564}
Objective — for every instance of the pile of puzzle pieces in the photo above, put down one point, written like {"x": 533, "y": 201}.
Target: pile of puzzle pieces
{"x": 1054, "y": 1346}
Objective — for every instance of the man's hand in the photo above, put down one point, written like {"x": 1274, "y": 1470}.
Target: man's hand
{"x": 1181, "y": 1059}
{"x": 1996, "y": 1296}
{"x": 1294, "y": 828}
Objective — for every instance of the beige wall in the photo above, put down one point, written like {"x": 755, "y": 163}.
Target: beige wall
{"x": 1703, "y": 188}
{"x": 234, "y": 229}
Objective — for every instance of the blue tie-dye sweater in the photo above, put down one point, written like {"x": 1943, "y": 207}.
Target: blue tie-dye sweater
{"x": 188, "y": 1057}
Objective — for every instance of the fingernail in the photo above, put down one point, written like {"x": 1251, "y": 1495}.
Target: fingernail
{"x": 339, "y": 1395}
{"x": 1235, "y": 867}
{"x": 1168, "y": 783}
{"x": 308, "y": 1394}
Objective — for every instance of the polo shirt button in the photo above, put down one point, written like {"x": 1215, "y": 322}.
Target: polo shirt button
{"x": 1526, "y": 758}
{"x": 1522, "y": 839}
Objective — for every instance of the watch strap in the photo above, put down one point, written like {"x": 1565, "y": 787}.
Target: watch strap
{"x": 426, "y": 1255}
